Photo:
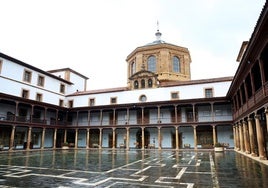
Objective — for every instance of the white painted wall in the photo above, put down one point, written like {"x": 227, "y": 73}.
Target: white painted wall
{"x": 153, "y": 94}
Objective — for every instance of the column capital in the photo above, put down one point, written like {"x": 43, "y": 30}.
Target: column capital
{"x": 244, "y": 122}
{"x": 257, "y": 116}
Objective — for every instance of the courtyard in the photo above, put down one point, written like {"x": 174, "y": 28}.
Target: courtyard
{"x": 134, "y": 168}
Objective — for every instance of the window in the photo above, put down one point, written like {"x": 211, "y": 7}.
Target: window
{"x": 71, "y": 104}
{"x": 61, "y": 102}
{"x": 142, "y": 83}
{"x": 133, "y": 68}
{"x": 27, "y": 76}
{"x": 208, "y": 92}
{"x": 39, "y": 97}
{"x": 62, "y": 88}
{"x": 136, "y": 84}
{"x": 151, "y": 63}
{"x": 25, "y": 94}
{"x": 143, "y": 98}
{"x": 91, "y": 102}
{"x": 113, "y": 100}
{"x": 176, "y": 64}
{"x": 40, "y": 80}
{"x": 174, "y": 95}
{"x": 150, "y": 83}
{"x": 1, "y": 63}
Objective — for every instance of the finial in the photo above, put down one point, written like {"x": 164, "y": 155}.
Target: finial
{"x": 158, "y": 34}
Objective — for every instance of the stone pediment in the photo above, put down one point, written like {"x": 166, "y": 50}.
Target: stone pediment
{"x": 143, "y": 74}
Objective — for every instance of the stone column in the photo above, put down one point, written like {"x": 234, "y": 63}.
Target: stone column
{"x": 195, "y": 137}
{"x": 100, "y": 137}
{"x": 29, "y": 138}
{"x": 142, "y": 115}
{"x": 176, "y": 114}
{"x": 127, "y": 141}
{"x": 177, "y": 137}
{"x": 142, "y": 138}
{"x": 87, "y": 141}
{"x": 55, "y": 138}
{"x": 242, "y": 148}
{"x": 158, "y": 114}
{"x": 237, "y": 137}
{"x": 234, "y": 131}
{"x": 266, "y": 114}
{"x": 114, "y": 116}
{"x": 246, "y": 140}
{"x": 65, "y": 136}
{"x": 159, "y": 138}
{"x": 214, "y": 134}
{"x": 76, "y": 139}
{"x": 12, "y": 136}
{"x": 260, "y": 138}
{"x": 251, "y": 137}
{"x": 43, "y": 138}
{"x": 113, "y": 143}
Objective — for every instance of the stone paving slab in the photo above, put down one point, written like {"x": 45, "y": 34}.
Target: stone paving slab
{"x": 108, "y": 168}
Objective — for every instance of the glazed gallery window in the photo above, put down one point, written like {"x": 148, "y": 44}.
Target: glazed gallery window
{"x": 176, "y": 64}
{"x": 27, "y": 76}
{"x": 151, "y": 63}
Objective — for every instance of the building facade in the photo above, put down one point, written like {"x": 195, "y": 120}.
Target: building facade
{"x": 249, "y": 92}
{"x": 160, "y": 108}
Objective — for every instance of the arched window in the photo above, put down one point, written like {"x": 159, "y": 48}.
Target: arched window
{"x": 176, "y": 64}
{"x": 133, "y": 68}
{"x": 151, "y": 63}
{"x": 142, "y": 83}
{"x": 150, "y": 83}
{"x": 136, "y": 84}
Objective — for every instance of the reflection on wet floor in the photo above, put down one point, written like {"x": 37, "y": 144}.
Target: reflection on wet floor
{"x": 134, "y": 168}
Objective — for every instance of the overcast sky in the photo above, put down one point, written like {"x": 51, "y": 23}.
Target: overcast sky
{"x": 95, "y": 37}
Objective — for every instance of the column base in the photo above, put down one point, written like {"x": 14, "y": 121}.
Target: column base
{"x": 254, "y": 155}
{"x": 263, "y": 158}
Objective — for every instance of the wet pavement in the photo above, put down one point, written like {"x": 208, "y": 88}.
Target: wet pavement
{"x": 134, "y": 168}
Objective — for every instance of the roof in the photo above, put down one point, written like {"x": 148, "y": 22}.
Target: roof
{"x": 163, "y": 84}
{"x": 67, "y": 69}
{"x": 33, "y": 68}
{"x": 256, "y": 36}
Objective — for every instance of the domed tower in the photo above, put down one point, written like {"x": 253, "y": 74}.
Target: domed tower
{"x": 157, "y": 62}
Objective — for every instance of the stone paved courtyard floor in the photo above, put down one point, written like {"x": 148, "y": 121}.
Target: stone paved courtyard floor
{"x": 134, "y": 168}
